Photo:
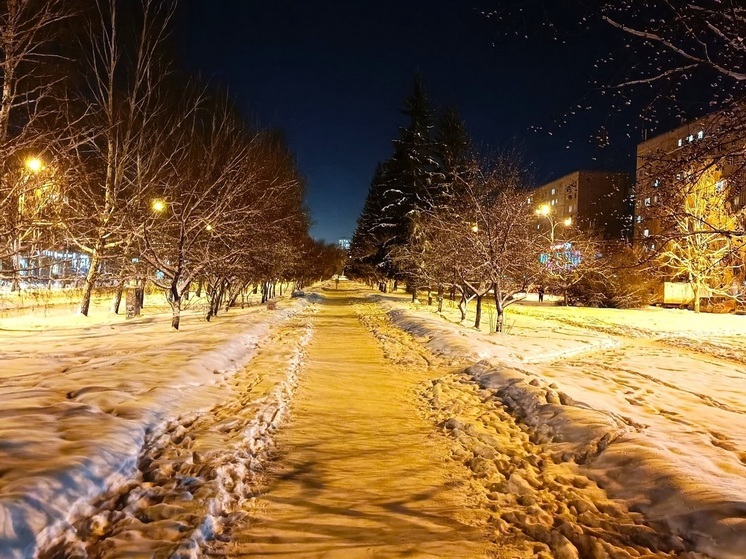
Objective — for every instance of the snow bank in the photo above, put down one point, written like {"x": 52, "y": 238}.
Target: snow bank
{"x": 669, "y": 446}
{"x": 68, "y": 435}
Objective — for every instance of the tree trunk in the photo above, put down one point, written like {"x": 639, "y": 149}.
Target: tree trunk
{"x": 117, "y": 298}
{"x": 175, "y": 312}
{"x": 478, "y": 318}
{"x": 440, "y": 298}
{"x": 199, "y": 287}
{"x": 90, "y": 281}
{"x": 429, "y": 297}
{"x": 414, "y": 293}
{"x": 462, "y": 306}
{"x": 396, "y": 285}
{"x": 499, "y": 308}
{"x": 695, "y": 290}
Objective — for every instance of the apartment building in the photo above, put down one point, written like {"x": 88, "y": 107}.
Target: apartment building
{"x": 592, "y": 200}
{"x": 715, "y": 142}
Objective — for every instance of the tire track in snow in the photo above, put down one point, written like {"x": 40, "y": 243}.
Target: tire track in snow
{"x": 196, "y": 472}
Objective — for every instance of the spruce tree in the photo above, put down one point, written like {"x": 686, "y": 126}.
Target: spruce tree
{"x": 370, "y": 234}
{"x": 411, "y": 168}
{"x": 453, "y": 148}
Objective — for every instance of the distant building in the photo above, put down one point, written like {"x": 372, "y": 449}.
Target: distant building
{"x": 344, "y": 244}
{"x": 711, "y": 140}
{"x": 592, "y": 200}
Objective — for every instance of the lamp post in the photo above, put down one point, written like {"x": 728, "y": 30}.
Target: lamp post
{"x": 546, "y": 211}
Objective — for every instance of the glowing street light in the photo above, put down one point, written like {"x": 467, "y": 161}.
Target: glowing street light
{"x": 158, "y": 205}
{"x": 208, "y": 227}
{"x": 568, "y": 221}
{"x": 34, "y": 164}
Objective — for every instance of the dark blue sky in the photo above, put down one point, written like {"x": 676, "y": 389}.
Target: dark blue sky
{"x": 333, "y": 75}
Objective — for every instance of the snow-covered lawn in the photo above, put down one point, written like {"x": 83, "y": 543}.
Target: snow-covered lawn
{"x": 652, "y": 402}
{"x": 80, "y": 397}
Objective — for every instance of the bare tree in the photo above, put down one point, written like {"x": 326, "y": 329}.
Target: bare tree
{"x": 686, "y": 36}
{"x": 483, "y": 239}
{"x": 121, "y": 96}
{"x": 27, "y": 31}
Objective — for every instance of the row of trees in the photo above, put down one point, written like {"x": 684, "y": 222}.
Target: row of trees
{"x": 149, "y": 173}
{"x": 442, "y": 218}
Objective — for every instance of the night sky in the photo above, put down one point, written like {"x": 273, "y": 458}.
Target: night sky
{"x": 334, "y": 75}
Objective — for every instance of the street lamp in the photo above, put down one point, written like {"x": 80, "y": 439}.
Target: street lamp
{"x": 546, "y": 211}
{"x": 34, "y": 164}
{"x": 158, "y": 205}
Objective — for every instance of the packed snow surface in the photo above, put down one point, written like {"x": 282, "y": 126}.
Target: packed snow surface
{"x": 577, "y": 433}
{"x": 651, "y": 402}
{"x": 81, "y": 400}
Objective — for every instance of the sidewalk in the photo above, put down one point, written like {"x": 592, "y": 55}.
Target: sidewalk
{"x": 362, "y": 474}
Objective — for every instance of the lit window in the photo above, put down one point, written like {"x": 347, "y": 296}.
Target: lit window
{"x": 719, "y": 185}
{"x": 569, "y": 209}
{"x": 652, "y": 247}
{"x": 647, "y": 201}
{"x": 646, "y": 233}
{"x": 655, "y": 199}
{"x": 681, "y": 142}
{"x": 700, "y": 134}
{"x": 529, "y": 200}
{"x": 639, "y": 219}
{"x": 656, "y": 183}
{"x": 554, "y": 191}
{"x": 690, "y": 138}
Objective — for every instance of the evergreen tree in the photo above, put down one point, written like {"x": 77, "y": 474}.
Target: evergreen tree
{"x": 370, "y": 234}
{"x": 410, "y": 170}
{"x": 453, "y": 147}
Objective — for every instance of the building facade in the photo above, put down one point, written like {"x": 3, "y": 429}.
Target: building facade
{"x": 713, "y": 144}
{"x": 592, "y": 200}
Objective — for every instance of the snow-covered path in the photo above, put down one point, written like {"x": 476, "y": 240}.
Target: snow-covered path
{"x": 361, "y": 474}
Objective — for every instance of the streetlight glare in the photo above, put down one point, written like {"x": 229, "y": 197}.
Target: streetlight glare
{"x": 568, "y": 221}
{"x": 209, "y": 227}
{"x": 34, "y": 164}
{"x": 158, "y": 205}
{"x": 543, "y": 210}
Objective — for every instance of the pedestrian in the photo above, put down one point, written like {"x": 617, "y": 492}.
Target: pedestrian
{"x": 541, "y": 293}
